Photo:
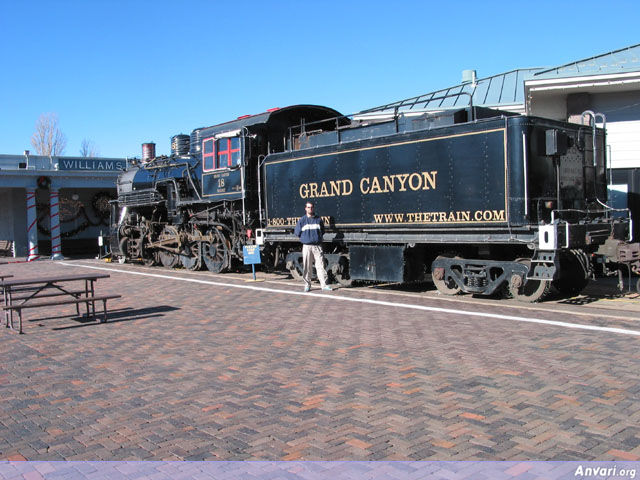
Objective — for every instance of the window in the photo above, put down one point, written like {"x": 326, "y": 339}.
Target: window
{"x": 222, "y": 153}
{"x": 208, "y": 154}
{"x": 228, "y": 152}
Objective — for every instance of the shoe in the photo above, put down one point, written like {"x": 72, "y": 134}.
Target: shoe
{"x": 307, "y": 288}
{"x": 327, "y": 288}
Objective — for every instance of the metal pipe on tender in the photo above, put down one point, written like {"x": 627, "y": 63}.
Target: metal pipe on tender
{"x": 592, "y": 123}
{"x": 260, "y": 161}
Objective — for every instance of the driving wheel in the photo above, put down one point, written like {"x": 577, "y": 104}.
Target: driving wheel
{"x": 170, "y": 239}
{"x": 190, "y": 257}
{"x": 215, "y": 253}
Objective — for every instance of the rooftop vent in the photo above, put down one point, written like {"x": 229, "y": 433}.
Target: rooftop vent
{"x": 469, "y": 76}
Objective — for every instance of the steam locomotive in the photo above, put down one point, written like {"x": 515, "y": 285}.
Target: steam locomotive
{"x": 477, "y": 200}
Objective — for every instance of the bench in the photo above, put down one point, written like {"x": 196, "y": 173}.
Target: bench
{"x": 75, "y": 293}
{"x": 24, "y": 296}
{"x": 66, "y": 301}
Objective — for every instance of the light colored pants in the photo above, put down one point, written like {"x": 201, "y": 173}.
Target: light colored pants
{"x": 309, "y": 252}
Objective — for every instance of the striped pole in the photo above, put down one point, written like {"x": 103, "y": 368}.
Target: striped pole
{"x": 32, "y": 227}
{"x": 56, "y": 237}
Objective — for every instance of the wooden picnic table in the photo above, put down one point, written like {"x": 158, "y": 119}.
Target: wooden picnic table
{"x": 23, "y": 293}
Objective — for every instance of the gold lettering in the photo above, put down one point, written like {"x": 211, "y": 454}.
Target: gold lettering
{"x": 304, "y": 190}
{"x": 402, "y": 177}
{"x": 411, "y": 184}
{"x": 362, "y": 182}
{"x": 498, "y": 215}
{"x": 313, "y": 190}
{"x": 429, "y": 179}
{"x": 375, "y": 186}
{"x": 388, "y": 183}
{"x": 344, "y": 187}
{"x": 335, "y": 188}
{"x": 323, "y": 190}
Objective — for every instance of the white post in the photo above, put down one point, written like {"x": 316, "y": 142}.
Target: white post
{"x": 56, "y": 234}
{"x": 32, "y": 227}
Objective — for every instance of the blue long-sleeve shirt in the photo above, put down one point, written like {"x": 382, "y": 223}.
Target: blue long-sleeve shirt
{"x": 310, "y": 230}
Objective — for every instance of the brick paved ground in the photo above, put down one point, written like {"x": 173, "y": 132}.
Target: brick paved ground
{"x": 199, "y": 371}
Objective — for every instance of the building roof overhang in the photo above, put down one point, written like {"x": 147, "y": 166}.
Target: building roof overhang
{"x": 592, "y": 83}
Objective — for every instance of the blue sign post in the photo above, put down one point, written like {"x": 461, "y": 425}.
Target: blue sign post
{"x": 251, "y": 256}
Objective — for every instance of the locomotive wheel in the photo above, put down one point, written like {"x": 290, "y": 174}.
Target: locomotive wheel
{"x": 190, "y": 257}
{"x": 169, "y": 259}
{"x": 341, "y": 273}
{"x": 445, "y": 284}
{"x": 215, "y": 254}
{"x": 150, "y": 259}
{"x": 573, "y": 275}
{"x": 525, "y": 290}
{"x": 294, "y": 265}
{"x": 123, "y": 248}
{"x": 149, "y": 256}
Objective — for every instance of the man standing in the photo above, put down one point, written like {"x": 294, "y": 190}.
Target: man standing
{"x": 309, "y": 230}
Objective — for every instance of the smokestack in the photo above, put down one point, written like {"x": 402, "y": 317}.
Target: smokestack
{"x": 148, "y": 151}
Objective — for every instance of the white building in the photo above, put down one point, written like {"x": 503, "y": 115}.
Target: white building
{"x": 55, "y": 205}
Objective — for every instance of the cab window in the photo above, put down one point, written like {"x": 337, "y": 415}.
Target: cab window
{"x": 228, "y": 150}
{"x": 208, "y": 154}
{"x": 221, "y": 153}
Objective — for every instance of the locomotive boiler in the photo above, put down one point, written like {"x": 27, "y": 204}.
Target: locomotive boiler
{"x": 476, "y": 200}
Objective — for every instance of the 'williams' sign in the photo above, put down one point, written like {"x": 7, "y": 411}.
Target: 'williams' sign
{"x": 105, "y": 164}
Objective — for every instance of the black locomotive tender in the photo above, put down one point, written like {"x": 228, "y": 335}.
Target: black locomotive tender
{"x": 477, "y": 200}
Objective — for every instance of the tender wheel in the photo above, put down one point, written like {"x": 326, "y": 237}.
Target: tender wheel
{"x": 215, "y": 253}
{"x": 171, "y": 239}
{"x": 530, "y": 291}
{"x": 294, "y": 265}
{"x": 574, "y": 273}
{"x": 341, "y": 272}
{"x": 190, "y": 258}
{"x": 444, "y": 283}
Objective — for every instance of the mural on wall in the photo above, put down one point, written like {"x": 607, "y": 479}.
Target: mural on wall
{"x": 76, "y": 215}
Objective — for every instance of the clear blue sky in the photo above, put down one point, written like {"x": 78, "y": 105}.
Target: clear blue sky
{"x": 121, "y": 73}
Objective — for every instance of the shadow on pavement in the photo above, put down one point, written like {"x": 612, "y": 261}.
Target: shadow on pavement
{"x": 113, "y": 316}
